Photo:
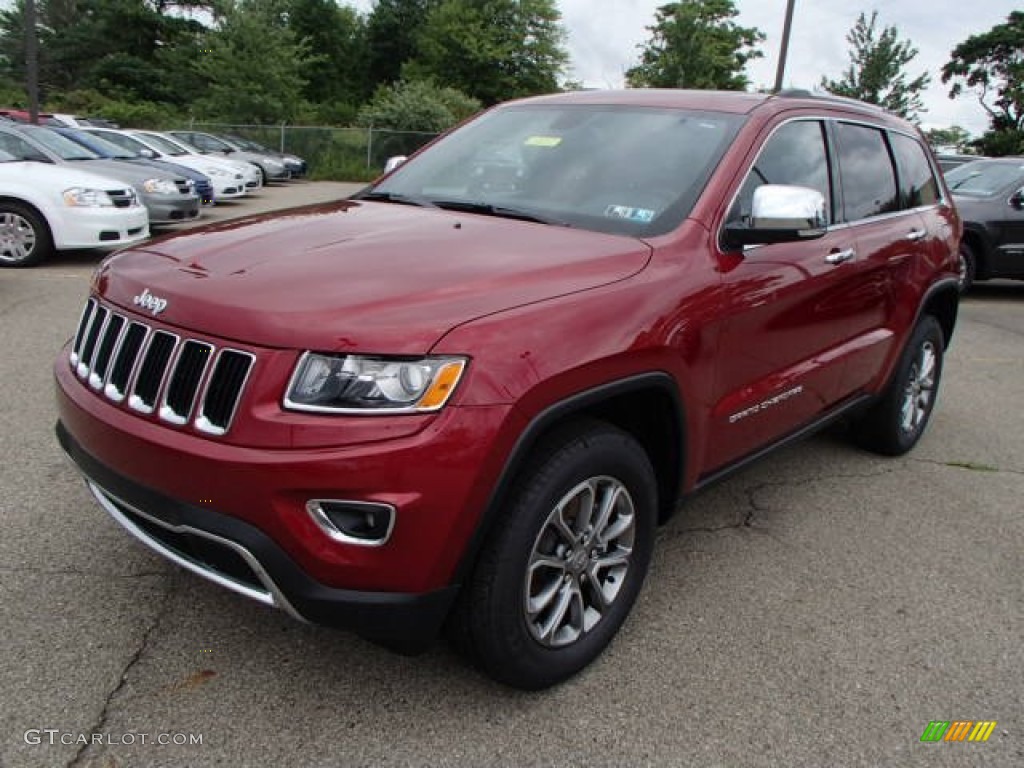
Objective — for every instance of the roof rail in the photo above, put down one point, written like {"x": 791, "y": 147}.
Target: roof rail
{"x": 803, "y": 93}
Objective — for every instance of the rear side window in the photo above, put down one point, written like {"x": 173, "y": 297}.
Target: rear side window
{"x": 795, "y": 154}
{"x": 869, "y": 180}
{"x": 918, "y": 185}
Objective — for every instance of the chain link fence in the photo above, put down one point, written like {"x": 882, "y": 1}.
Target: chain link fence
{"x": 342, "y": 154}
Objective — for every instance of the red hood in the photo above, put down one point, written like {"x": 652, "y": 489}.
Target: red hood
{"x": 369, "y": 277}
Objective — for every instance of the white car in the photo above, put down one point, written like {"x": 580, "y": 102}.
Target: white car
{"x": 228, "y": 182}
{"x": 251, "y": 171}
{"x": 46, "y": 208}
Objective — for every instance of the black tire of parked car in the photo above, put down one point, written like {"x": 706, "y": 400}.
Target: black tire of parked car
{"x": 968, "y": 267}
{"x": 896, "y": 422}
{"x": 526, "y": 561}
{"x": 14, "y": 217}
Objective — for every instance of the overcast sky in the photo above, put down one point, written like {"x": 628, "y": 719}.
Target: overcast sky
{"x": 603, "y": 35}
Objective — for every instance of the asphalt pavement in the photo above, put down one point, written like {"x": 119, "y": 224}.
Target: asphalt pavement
{"x": 817, "y": 609}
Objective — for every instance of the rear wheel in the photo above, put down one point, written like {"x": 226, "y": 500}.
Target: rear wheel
{"x": 895, "y": 424}
{"x": 559, "y": 575}
{"x": 24, "y": 236}
{"x": 967, "y": 265}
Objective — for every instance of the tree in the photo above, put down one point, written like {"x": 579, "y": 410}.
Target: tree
{"x": 417, "y": 105}
{"x": 492, "y": 50}
{"x": 992, "y": 64}
{"x": 954, "y": 136}
{"x": 254, "y": 65}
{"x": 336, "y": 72}
{"x": 695, "y": 44}
{"x": 391, "y": 33}
{"x": 875, "y": 74}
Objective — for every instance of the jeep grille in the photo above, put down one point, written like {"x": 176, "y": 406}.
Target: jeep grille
{"x": 183, "y": 380}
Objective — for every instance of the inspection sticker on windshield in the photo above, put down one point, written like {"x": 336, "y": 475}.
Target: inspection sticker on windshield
{"x": 543, "y": 141}
{"x": 643, "y": 215}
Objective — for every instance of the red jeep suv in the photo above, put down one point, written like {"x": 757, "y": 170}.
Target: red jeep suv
{"x": 467, "y": 396}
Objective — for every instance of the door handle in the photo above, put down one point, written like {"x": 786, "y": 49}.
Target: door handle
{"x": 838, "y": 257}
{"x": 916, "y": 234}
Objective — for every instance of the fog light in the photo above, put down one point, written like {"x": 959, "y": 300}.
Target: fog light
{"x": 363, "y": 523}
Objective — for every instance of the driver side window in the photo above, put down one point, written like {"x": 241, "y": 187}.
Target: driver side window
{"x": 795, "y": 154}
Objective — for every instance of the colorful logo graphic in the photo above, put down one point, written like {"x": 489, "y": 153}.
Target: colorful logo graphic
{"x": 958, "y": 730}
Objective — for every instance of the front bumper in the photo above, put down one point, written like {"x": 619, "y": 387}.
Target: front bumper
{"x": 100, "y": 227}
{"x": 171, "y": 209}
{"x": 242, "y": 558}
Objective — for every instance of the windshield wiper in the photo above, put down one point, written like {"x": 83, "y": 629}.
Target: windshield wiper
{"x": 502, "y": 211}
{"x": 395, "y": 197}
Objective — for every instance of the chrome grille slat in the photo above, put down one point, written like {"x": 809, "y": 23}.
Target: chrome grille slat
{"x": 183, "y": 386}
{"x": 220, "y": 400}
{"x": 151, "y": 375}
{"x": 105, "y": 350}
{"x": 83, "y": 327}
{"x": 99, "y": 320}
{"x": 181, "y": 379}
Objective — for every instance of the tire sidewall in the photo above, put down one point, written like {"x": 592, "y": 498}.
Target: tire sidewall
{"x": 43, "y": 245}
{"x": 507, "y": 635}
{"x": 927, "y": 330}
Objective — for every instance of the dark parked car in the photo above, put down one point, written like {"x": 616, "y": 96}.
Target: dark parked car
{"x": 467, "y": 397}
{"x": 990, "y": 196}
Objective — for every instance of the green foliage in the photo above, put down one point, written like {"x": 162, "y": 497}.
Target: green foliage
{"x": 695, "y": 44}
{"x": 336, "y": 72}
{"x": 391, "y": 35}
{"x": 875, "y": 74}
{"x": 135, "y": 113}
{"x": 992, "y": 64}
{"x": 1008, "y": 141}
{"x": 954, "y": 136}
{"x": 492, "y": 50}
{"x": 254, "y": 65}
{"x": 417, "y": 105}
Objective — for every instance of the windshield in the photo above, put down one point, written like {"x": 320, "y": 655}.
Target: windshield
{"x": 166, "y": 146}
{"x": 61, "y": 146}
{"x": 615, "y": 169}
{"x": 102, "y": 146}
{"x": 6, "y": 158}
{"x": 126, "y": 143}
{"x": 983, "y": 178}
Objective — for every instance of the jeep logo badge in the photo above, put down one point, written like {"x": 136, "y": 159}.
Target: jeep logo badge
{"x": 147, "y": 300}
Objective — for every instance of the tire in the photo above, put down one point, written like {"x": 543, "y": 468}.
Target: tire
{"x": 895, "y": 424}
{"x": 25, "y": 238}
{"x": 967, "y": 263}
{"x": 552, "y": 584}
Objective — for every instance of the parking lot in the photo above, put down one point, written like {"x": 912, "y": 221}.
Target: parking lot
{"x": 817, "y": 609}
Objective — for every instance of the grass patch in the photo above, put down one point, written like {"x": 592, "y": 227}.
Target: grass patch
{"x": 972, "y": 466}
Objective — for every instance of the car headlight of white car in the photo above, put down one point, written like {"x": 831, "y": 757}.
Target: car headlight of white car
{"x": 82, "y": 197}
{"x": 160, "y": 187}
{"x": 217, "y": 172}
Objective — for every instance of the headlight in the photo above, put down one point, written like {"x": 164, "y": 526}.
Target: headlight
{"x": 216, "y": 172}
{"x": 80, "y": 197}
{"x": 354, "y": 384}
{"x": 160, "y": 187}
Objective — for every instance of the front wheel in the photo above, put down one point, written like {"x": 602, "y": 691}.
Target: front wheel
{"x": 895, "y": 424}
{"x": 24, "y": 237}
{"x": 562, "y": 569}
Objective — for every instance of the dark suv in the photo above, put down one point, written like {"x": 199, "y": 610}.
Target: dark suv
{"x": 468, "y": 396}
{"x": 990, "y": 197}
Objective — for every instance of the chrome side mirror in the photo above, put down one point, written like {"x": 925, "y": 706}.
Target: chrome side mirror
{"x": 394, "y": 162}
{"x": 781, "y": 213}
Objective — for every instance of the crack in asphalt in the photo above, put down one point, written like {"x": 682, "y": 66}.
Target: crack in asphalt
{"x": 969, "y": 466}
{"x": 755, "y": 508}
{"x": 100, "y": 725}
